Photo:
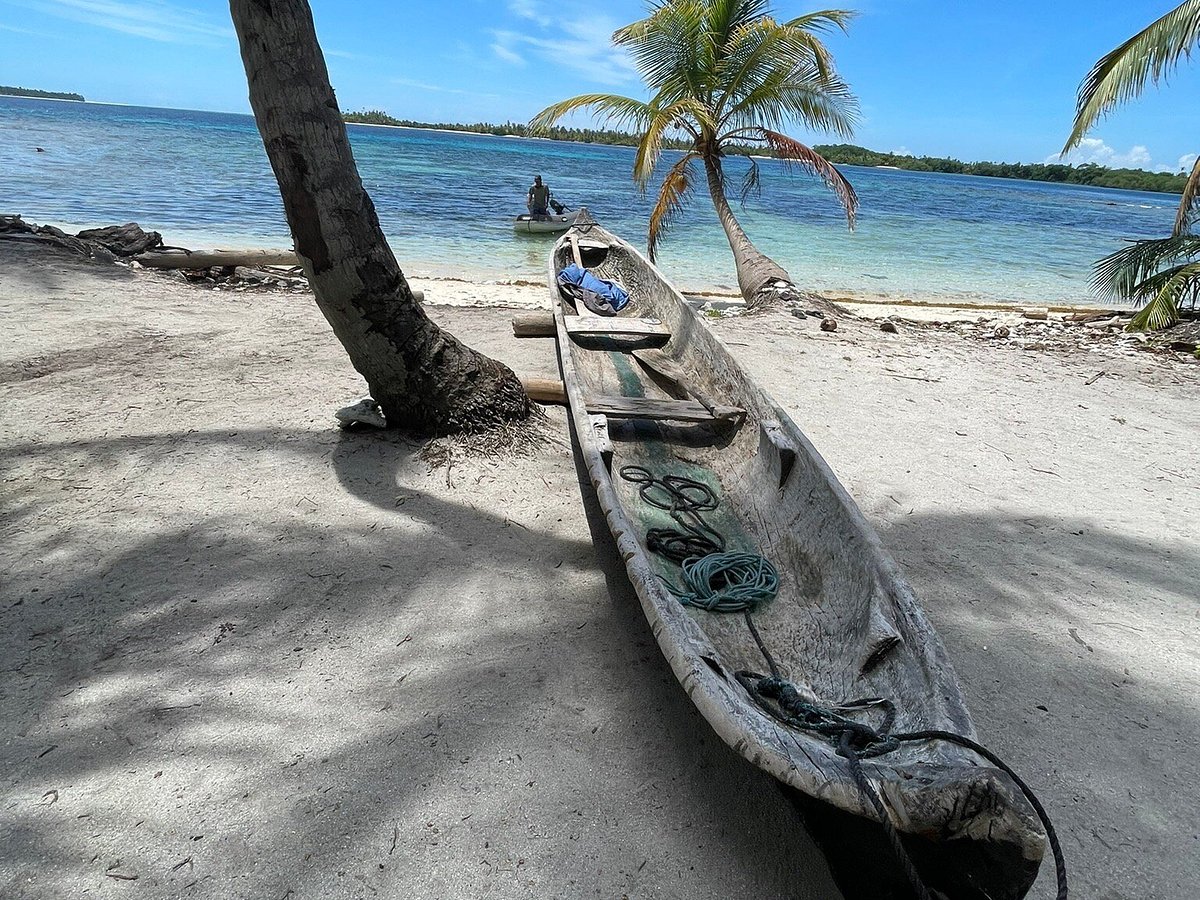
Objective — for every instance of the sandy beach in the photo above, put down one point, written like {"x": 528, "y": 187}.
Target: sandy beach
{"x": 250, "y": 655}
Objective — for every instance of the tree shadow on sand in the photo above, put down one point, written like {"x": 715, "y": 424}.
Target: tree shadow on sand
{"x": 245, "y": 703}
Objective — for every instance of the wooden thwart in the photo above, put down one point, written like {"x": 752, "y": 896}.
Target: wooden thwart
{"x": 603, "y": 325}
{"x": 673, "y": 410}
{"x": 666, "y": 367}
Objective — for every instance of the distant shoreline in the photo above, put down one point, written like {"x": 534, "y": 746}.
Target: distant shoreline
{"x": 35, "y": 94}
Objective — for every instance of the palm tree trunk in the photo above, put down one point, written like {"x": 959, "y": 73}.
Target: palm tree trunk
{"x": 422, "y": 377}
{"x": 760, "y": 278}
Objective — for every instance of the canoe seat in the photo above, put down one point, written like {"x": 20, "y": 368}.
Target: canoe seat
{"x": 674, "y": 410}
{"x": 604, "y": 326}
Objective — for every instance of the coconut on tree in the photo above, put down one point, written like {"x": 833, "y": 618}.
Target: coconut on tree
{"x": 1162, "y": 274}
{"x": 422, "y": 377}
{"x": 726, "y": 75}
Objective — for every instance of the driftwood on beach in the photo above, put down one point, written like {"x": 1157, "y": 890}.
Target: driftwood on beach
{"x": 205, "y": 259}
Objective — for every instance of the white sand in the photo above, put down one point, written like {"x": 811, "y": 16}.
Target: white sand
{"x": 247, "y": 655}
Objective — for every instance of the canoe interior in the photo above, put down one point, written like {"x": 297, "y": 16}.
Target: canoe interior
{"x": 845, "y": 624}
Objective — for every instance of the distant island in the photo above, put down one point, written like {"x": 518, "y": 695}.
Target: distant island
{"x": 840, "y": 154}
{"x": 7, "y": 91}
{"x": 1086, "y": 173}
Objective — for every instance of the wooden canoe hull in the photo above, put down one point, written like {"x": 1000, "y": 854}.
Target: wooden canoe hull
{"x": 845, "y": 625}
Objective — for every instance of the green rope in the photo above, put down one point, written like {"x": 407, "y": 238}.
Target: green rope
{"x": 727, "y": 582}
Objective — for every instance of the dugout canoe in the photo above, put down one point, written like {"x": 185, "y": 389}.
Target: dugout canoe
{"x": 654, "y": 387}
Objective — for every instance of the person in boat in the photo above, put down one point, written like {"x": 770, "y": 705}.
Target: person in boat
{"x": 539, "y": 198}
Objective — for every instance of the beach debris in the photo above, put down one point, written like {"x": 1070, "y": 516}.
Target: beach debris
{"x": 1001, "y": 331}
{"x": 122, "y": 240}
{"x": 1036, "y": 312}
{"x": 365, "y": 412}
{"x": 829, "y": 323}
{"x": 889, "y": 326}
{"x": 1096, "y": 377}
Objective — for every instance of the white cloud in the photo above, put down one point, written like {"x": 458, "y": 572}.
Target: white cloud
{"x": 581, "y": 44}
{"x": 501, "y": 49}
{"x": 529, "y": 9}
{"x": 1094, "y": 150}
{"x": 16, "y": 30}
{"x": 902, "y": 151}
{"x": 1186, "y": 163}
{"x": 423, "y": 86}
{"x": 150, "y": 19}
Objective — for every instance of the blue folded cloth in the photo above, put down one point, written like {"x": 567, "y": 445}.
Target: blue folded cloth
{"x": 602, "y": 297}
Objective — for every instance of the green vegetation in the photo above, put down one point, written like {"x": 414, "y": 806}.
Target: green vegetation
{"x": 7, "y": 91}
{"x": 514, "y": 129}
{"x": 840, "y": 154}
{"x": 1161, "y": 274}
{"x": 1088, "y": 173}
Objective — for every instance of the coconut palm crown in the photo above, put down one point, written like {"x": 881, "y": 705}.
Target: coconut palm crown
{"x": 724, "y": 73}
{"x": 1162, "y": 274}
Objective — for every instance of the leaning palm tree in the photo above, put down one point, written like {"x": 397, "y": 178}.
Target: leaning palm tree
{"x": 1162, "y": 274}
{"x": 726, "y": 75}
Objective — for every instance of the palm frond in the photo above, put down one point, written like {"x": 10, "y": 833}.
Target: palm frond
{"x": 764, "y": 56}
{"x": 688, "y": 114}
{"x": 613, "y": 108}
{"x": 666, "y": 47}
{"x": 1167, "y": 290}
{"x": 676, "y": 188}
{"x": 1121, "y": 275}
{"x": 781, "y": 99}
{"x": 1189, "y": 208}
{"x": 791, "y": 151}
{"x": 752, "y": 182}
{"x": 1123, "y": 73}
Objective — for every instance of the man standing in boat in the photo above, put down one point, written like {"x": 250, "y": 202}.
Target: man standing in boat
{"x": 539, "y": 198}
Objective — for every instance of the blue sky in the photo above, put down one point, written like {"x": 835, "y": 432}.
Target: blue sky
{"x": 973, "y": 80}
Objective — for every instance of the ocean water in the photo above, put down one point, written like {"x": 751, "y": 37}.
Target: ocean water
{"x": 446, "y": 201}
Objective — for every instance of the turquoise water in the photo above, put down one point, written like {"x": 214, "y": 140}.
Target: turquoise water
{"x": 446, "y": 201}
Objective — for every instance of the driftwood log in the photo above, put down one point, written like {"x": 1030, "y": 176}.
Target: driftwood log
{"x": 205, "y": 259}
{"x": 545, "y": 390}
{"x": 535, "y": 324}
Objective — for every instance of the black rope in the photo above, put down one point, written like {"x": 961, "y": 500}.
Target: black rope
{"x": 855, "y": 741}
{"x": 685, "y": 500}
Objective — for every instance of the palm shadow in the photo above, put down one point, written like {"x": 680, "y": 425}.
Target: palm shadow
{"x": 325, "y": 698}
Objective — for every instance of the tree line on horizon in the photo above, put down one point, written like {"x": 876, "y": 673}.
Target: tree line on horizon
{"x": 1085, "y": 173}
{"x": 1089, "y": 174}
{"x": 7, "y": 91}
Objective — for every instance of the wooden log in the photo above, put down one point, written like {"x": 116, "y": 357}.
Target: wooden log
{"x": 545, "y": 390}
{"x": 574, "y": 242}
{"x": 203, "y": 259}
{"x": 535, "y": 324}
